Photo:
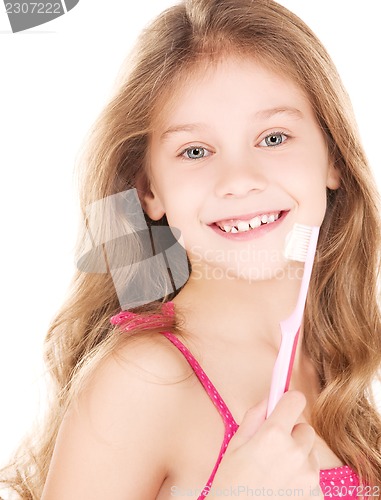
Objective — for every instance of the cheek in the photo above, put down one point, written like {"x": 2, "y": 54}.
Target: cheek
{"x": 179, "y": 212}
{"x": 306, "y": 184}
{"x": 313, "y": 200}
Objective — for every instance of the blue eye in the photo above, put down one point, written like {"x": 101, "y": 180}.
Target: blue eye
{"x": 274, "y": 139}
{"x": 194, "y": 153}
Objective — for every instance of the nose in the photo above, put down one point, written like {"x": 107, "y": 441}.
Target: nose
{"x": 239, "y": 176}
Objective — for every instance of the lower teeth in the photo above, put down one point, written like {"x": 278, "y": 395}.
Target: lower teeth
{"x": 236, "y": 230}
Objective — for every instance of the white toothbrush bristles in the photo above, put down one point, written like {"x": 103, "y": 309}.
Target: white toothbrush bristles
{"x": 297, "y": 243}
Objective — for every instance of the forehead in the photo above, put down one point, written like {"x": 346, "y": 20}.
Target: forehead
{"x": 231, "y": 86}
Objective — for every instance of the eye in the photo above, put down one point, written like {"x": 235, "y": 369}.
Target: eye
{"x": 274, "y": 139}
{"x": 194, "y": 153}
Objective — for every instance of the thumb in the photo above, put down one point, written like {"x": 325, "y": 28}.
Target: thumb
{"x": 252, "y": 421}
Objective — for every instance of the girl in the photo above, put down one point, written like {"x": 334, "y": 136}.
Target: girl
{"x": 230, "y": 125}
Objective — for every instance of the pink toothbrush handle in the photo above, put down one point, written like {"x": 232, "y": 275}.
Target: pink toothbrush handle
{"x": 282, "y": 369}
{"x": 291, "y": 362}
{"x": 290, "y": 332}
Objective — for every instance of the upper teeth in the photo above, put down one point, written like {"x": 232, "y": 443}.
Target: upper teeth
{"x": 242, "y": 225}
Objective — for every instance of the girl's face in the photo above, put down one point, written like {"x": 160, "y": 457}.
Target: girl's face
{"x": 236, "y": 158}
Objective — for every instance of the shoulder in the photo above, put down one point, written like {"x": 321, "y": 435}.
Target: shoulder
{"x": 144, "y": 371}
{"x": 154, "y": 358}
{"x": 115, "y": 439}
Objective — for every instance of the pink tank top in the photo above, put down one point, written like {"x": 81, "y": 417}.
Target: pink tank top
{"x": 340, "y": 482}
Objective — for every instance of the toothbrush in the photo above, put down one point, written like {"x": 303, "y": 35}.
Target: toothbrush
{"x": 301, "y": 246}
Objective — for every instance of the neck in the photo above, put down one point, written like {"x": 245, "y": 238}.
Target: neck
{"x": 241, "y": 308}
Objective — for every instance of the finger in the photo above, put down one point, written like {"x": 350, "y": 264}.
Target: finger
{"x": 304, "y": 436}
{"x": 288, "y": 410}
{"x": 252, "y": 421}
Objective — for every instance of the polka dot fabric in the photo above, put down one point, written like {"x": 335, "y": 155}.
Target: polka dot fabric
{"x": 340, "y": 482}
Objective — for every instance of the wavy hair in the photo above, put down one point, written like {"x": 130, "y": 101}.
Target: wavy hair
{"x": 342, "y": 319}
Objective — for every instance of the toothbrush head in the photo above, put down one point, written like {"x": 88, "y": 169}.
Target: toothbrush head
{"x": 298, "y": 242}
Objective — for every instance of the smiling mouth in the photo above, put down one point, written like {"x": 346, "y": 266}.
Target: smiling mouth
{"x": 243, "y": 226}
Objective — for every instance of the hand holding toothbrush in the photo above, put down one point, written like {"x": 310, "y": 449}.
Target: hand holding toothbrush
{"x": 274, "y": 454}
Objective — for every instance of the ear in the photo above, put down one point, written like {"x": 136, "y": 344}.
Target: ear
{"x": 333, "y": 177}
{"x": 149, "y": 199}
{"x": 152, "y": 205}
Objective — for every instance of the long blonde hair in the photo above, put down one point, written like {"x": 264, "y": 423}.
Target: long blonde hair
{"x": 342, "y": 320}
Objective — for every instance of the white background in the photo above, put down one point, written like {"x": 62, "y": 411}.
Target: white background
{"x": 54, "y": 81}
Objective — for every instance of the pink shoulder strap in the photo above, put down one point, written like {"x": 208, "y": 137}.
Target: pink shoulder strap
{"x": 230, "y": 424}
{"x": 127, "y": 321}
{"x": 205, "y": 381}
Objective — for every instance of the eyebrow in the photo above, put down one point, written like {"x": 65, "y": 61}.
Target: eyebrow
{"x": 263, "y": 114}
{"x": 284, "y": 110}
